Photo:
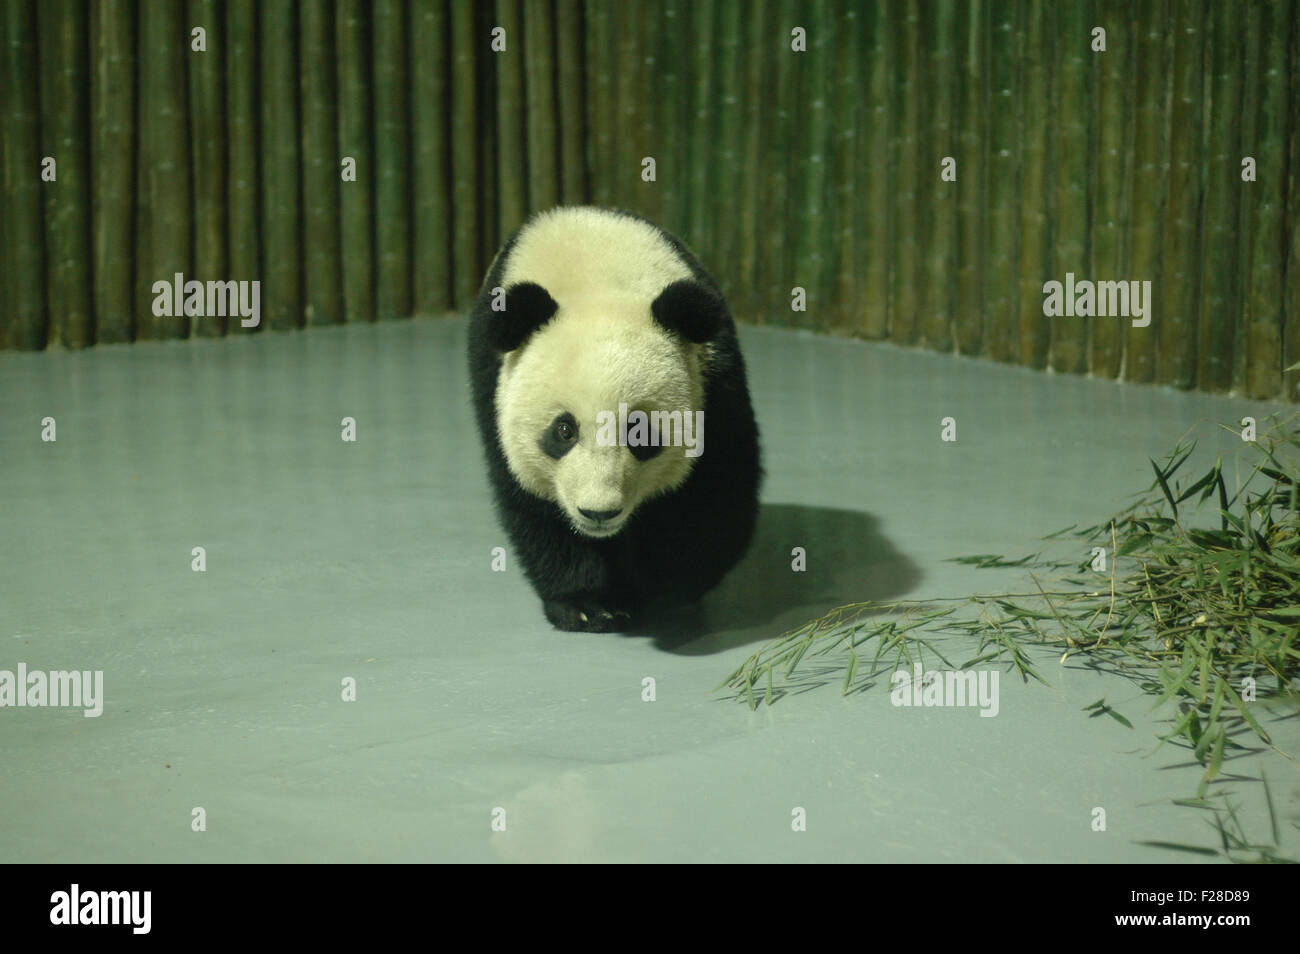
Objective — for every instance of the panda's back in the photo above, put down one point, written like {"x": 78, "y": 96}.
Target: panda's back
{"x": 579, "y": 251}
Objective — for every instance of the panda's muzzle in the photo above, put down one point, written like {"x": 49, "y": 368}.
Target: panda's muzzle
{"x": 599, "y": 516}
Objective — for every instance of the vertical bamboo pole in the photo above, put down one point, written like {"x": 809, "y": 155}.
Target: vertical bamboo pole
{"x": 486, "y": 139}
{"x": 746, "y": 300}
{"x": 904, "y": 147}
{"x": 467, "y": 269}
{"x": 112, "y": 153}
{"x": 392, "y": 182}
{"x": 573, "y": 127}
{"x": 599, "y": 47}
{"x": 701, "y": 144}
{"x": 875, "y": 187}
{"x": 812, "y": 144}
{"x": 629, "y": 146}
{"x": 163, "y": 211}
{"x": 281, "y": 171}
{"x": 654, "y": 135}
{"x": 1220, "y": 305}
{"x": 1291, "y": 328}
{"x": 431, "y": 246}
{"x": 1037, "y": 195}
{"x": 321, "y": 171}
{"x": 1115, "y": 70}
{"x": 23, "y": 322}
{"x": 355, "y": 142}
{"x": 792, "y": 156}
{"x": 1180, "y": 284}
{"x": 64, "y": 125}
{"x": 543, "y": 121}
{"x": 775, "y": 271}
{"x": 1266, "y": 291}
{"x": 1149, "y": 185}
{"x": 926, "y": 164}
{"x": 1246, "y": 193}
{"x": 938, "y": 212}
{"x": 846, "y": 153}
{"x": 1072, "y": 27}
{"x": 972, "y": 188}
{"x": 208, "y": 157}
{"x": 512, "y": 119}
{"x": 243, "y": 250}
{"x": 1004, "y": 46}
{"x": 669, "y": 147}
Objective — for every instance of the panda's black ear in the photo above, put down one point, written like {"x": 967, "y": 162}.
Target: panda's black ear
{"x": 528, "y": 306}
{"x": 691, "y": 310}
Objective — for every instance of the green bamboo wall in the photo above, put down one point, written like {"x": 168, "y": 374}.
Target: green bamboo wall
{"x": 818, "y": 169}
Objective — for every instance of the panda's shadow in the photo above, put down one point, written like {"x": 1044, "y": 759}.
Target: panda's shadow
{"x": 847, "y": 560}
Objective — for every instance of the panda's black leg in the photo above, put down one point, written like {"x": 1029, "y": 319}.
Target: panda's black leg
{"x": 584, "y": 613}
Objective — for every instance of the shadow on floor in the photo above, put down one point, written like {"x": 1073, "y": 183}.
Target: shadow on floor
{"x": 847, "y": 560}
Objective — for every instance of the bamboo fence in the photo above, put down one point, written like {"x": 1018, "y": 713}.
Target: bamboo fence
{"x": 791, "y": 145}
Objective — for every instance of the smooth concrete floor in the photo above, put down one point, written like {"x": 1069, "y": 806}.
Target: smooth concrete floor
{"x": 372, "y": 560}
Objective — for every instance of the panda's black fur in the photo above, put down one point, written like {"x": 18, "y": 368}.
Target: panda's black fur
{"x": 674, "y": 547}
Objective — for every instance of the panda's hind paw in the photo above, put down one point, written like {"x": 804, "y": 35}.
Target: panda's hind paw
{"x": 583, "y": 615}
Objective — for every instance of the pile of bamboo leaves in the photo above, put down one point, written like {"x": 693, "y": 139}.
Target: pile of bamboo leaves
{"x": 1199, "y": 605}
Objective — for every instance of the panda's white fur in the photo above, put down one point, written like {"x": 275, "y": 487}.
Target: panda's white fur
{"x": 578, "y": 249}
{"x": 601, "y": 349}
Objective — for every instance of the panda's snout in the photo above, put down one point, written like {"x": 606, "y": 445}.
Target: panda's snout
{"x": 599, "y": 515}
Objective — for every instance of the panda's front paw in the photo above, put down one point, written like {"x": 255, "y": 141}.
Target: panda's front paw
{"x": 585, "y": 615}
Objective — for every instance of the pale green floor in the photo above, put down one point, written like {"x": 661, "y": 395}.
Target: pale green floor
{"x": 328, "y": 560}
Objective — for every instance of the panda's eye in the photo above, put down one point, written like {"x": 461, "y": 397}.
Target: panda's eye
{"x": 560, "y": 437}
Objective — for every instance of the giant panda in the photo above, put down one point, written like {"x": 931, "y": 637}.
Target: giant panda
{"x": 583, "y": 310}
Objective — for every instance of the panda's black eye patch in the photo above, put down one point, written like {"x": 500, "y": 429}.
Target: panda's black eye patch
{"x": 561, "y": 436}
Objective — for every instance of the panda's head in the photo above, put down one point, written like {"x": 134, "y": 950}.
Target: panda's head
{"x": 566, "y": 368}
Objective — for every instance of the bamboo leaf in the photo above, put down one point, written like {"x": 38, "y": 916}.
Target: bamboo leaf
{"x": 1272, "y": 811}
{"x": 1175, "y": 846}
{"x": 1117, "y": 717}
{"x": 852, "y": 671}
{"x": 1160, "y": 478}
{"x": 1216, "y": 756}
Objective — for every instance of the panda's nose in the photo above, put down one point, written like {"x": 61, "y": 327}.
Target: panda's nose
{"x": 599, "y": 515}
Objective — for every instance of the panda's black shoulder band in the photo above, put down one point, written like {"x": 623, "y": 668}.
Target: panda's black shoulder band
{"x": 688, "y": 308}
{"x": 528, "y": 306}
